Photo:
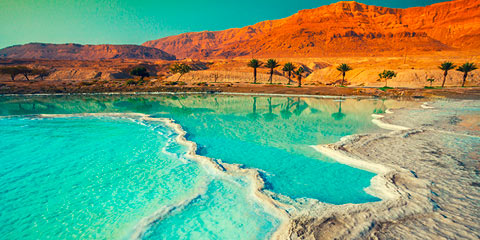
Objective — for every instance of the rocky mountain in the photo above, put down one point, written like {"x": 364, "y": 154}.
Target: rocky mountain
{"x": 340, "y": 29}
{"x": 83, "y": 52}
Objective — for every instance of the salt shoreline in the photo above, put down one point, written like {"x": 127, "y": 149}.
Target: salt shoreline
{"x": 286, "y": 218}
{"x": 380, "y": 185}
{"x": 417, "y": 202}
{"x": 219, "y": 167}
{"x": 404, "y": 195}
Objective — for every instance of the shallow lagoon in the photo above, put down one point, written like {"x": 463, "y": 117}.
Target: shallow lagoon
{"x": 104, "y": 176}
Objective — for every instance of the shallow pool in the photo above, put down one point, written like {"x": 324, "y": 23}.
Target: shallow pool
{"x": 119, "y": 177}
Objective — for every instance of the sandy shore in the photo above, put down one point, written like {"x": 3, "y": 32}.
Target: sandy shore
{"x": 428, "y": 179}
{"x": 66, "y": 87}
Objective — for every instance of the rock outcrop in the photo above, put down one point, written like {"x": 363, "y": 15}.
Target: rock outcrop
{"x": 340, "y": 29}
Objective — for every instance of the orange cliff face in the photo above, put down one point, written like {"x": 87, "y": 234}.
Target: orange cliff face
{"x": 340, "y": 29}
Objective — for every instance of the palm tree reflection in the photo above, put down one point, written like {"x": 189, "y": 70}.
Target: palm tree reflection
{"x": 339, "y": 115}
{"x": 270, "y": 116}
{"x": 285, "y": 112}
{"x": 300, "y": 106}
{"x": 254, "y": 115}
{"x": 381, "y": 109}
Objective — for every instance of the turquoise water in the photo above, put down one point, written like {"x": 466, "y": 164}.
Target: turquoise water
{"x": 97, "y": 178}
{"x": 110, "y": 177}
{"x": 280, "y": 145}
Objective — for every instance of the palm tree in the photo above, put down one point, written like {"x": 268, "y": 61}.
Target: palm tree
{"x": 446, "y": 66}
{"x": 466, "y": 68}
{"x": 289, "y": 67}
{"x": 343, "y": 68}
{"x": 299, "y": 73}
{"x": 254, "y": 63}
{"x": 272, "y": 64}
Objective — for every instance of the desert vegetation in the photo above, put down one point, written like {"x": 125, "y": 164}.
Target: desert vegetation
{"x": 41, "y": 72}
{"x": 466, "y": 68}
{"x": 431, "y": 80}
{"x": 254, "y": 63}
{"x": 217, "y": 75}
{"x": 180, "y": 68}
{"x": 299, "y": 73}
{"x": 140, "y": 72}
{"x": 446, "y": 66}
{"x": 289, "y": 68}
{"x": 386, "y": 75}
{"x": 343, "y": 68}
{"x": 13, "y": 71}
{"x": 271, "y": 64}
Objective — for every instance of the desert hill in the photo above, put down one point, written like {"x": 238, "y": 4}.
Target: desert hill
{"x": 340, "y": 29}
{"x": 83, "y": 52}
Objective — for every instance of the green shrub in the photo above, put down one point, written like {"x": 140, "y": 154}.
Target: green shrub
{"x": 202, "y": 84}
{"x": 141, "y": 81}
{"x": 385, "y": 88}
{"x": 140, "y": 71}
{"x": 171, "y": 83}
{"x": 180, "y": 68}
{"x": 86, "y": 83}
{"x": 131, "y": 82}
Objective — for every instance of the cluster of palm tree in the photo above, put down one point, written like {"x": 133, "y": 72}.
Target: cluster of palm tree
{"x": 343, "y": 68}
{"x": 271, "y": 64}
{"x": 466, "y": 68}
